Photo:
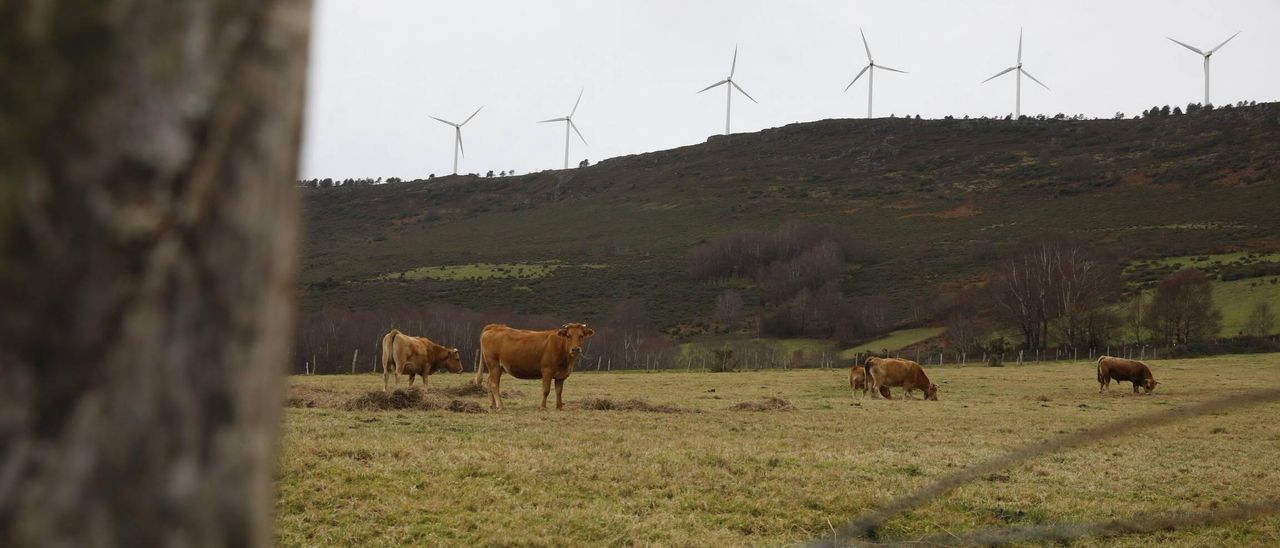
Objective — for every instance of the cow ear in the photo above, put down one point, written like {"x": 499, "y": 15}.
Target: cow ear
{"x": 587, "y": 332}
{"x": 563, "y": 332}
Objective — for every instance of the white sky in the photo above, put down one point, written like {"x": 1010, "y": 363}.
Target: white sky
{"x": 379, "y": 68}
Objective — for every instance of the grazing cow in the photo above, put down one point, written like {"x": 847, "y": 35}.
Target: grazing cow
{"x": 402, "y": 354}
{"x": 886, "y": 372}
{"x": 1120, "y": 369}
{"x": 547, "y": 355}
{"x": 858, "y": 381}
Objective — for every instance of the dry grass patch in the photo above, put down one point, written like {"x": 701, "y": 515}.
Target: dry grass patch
{"x": 772, "y": 403}
{"x": 606, "y": 404}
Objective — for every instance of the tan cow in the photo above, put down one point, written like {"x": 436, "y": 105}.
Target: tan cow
{"x": 1120, "y": 369}
{"x": 547, "y": 355}
{"x": 886, "y": 372}
{"x": 402, "y": 354}
{"x": 858, "y": 381}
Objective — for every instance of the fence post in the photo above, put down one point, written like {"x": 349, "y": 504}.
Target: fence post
{"x": 313, "y": 365}
{"x": 1144, "y": 352}
{"x": 1075, "y": 354}
{"x": 1019, "y": 357}
{"x": 354, "y": 355}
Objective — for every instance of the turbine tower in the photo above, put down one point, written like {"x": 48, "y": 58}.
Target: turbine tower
{"x": 568, "y": 123}
{"x": 1017, "y": 105}
{"x": 457, "y": 137}
{"x": 870, "y": 69}
{"x": 730, "y": 85}
{"x": 1206, "y": 55}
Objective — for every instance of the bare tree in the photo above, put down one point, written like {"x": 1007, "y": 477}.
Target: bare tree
{"x": 1261, "y": 320}
{"x": 1182, "y": 309}
{"x": 1052, "y": 279}
{"x": 148, "y": 247}
{"x": 728, "y": 310}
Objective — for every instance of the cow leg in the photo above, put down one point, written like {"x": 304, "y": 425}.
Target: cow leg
{"x": 411, "y": 379}
{"x": 546, "y": 389}
{"x": 495, "y": 386}
{"x": 1135, "y": 388}
{"x": 559, "y": 393}
{"x": 906, "y": 394}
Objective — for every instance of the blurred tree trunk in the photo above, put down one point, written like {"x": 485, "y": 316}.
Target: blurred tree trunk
{"x": 148, "y": 249}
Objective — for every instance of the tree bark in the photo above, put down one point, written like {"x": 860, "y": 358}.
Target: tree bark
{"x": 148, "y": 251}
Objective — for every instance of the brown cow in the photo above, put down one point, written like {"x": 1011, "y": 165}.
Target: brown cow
{"x": 1120, "y": 369}
{"x": 547, "y": 355}
{"x": 858, "y": 381}
{"x": 886, "y": 372}
{"x": 402, "y": 354}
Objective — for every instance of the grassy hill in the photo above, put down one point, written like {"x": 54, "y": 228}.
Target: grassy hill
{"x": 930, "y": 201}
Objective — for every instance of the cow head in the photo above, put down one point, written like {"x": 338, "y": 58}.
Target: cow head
{"x": 575, "y": 332}
{"x": 931, "y": 393}
{"x": 1149, "y": 384}
{"x": 452, "y": 360}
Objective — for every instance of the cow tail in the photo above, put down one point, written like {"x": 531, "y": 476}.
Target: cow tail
{"x": 1100, "y": 379}
{"x": 480, "y": 366}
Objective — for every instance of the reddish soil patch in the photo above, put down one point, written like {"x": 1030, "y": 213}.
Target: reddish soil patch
{"x": 958, "y": 212}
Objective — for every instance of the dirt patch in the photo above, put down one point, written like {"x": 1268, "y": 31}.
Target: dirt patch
{"x": 958, "y": 212}
{"x": 413, "y": 398}
{"x": 606, "y": 404}
{"x": 767, "y": 404}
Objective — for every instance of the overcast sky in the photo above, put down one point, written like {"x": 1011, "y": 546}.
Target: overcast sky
{"x": 380, "y": 68}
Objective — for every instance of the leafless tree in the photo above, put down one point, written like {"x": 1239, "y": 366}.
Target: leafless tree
{"x": 1261, "y": 320}
{"x": 729, "y": 309}
{"x": 1182, "y": 308}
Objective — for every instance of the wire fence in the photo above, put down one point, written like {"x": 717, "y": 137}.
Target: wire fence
{"x": 866, "y": 528}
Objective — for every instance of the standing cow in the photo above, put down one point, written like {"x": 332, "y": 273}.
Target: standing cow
{"x": 1121, "y": 369}
{"x": 886, "y": 372}
{"x": 402, "y": 354}
{"x": 858, "y": 381}
{"x": 547, "y": 355}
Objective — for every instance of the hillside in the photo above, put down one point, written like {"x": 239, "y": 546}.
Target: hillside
{"x": 929, "y": 201}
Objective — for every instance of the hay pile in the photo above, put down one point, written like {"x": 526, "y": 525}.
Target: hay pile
{"x": 412, "y": 398}
{"x": 771, "y": 403}
{"x": 307, "y": 397}
{"x": 606, "y": 404}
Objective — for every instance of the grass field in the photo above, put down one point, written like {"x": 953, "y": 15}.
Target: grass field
{"x": 1237, "y": 299}
{"x": 896, "y": 340}
{"x": 713, "y": 475}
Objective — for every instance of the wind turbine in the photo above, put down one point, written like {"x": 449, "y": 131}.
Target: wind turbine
{"x": 870, "y": 69}
{"x": 457, "y": 137}
{"x": 568, "y": 123}
{"x": 1017, "y": 105}
{"x": 1206, "y": 55}
{"x": 730, "y": 85}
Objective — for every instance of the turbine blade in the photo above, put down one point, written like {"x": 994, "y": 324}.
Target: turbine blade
{"x": 560, "y": 119}
{"x": 855, "y": 78}
{"x": 713, "y": 85}
{"x": 864, "y": 44}
{"x": 1188, "y": 47}
{"x": 461, "y": 148}
{"x": 890, "y": 69}
{"x": 1033, "y": 78}
{"x": 575, "y": 130}
{"x": 734, "y": 66}
{"x": 575, "y": 103}
{"x": 473, "y": 115}
{"x": 1019, "y": 46}
{"x": 735, "y": 84}
{"x": 443, "y": 120}
{"x": 1001, "y": 73}
{"x": 1224, "y": 42}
